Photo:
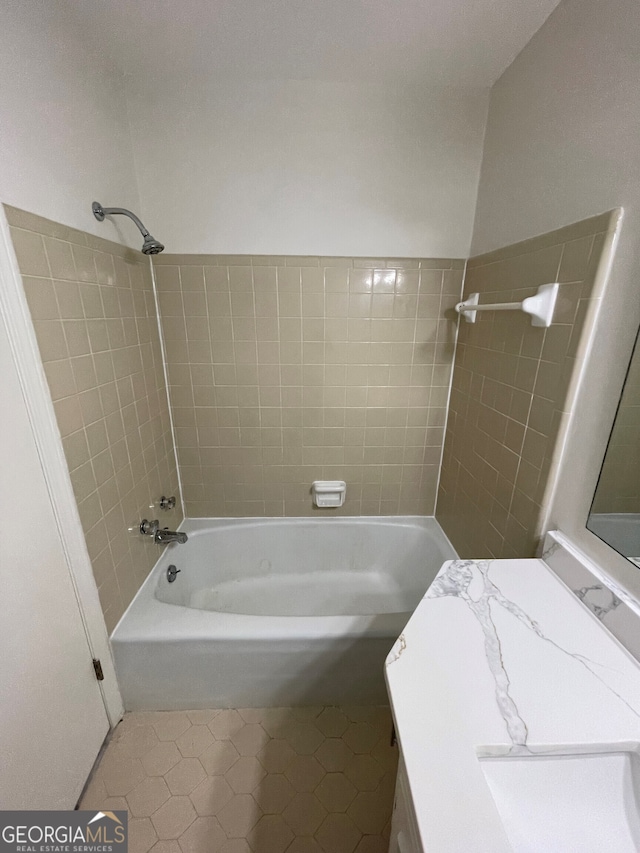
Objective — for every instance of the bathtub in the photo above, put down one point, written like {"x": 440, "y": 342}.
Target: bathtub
{"x": 275, "y": 612}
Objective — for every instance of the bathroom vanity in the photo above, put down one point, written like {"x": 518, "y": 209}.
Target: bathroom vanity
{"x": 517, "y": 714}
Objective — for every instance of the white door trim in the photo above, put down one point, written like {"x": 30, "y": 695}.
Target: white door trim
{"x": 35, "y": 389}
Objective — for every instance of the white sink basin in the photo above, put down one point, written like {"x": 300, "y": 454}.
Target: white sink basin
{"x": 583, "y": 803}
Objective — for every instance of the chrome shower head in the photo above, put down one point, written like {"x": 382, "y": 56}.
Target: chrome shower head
{"x": 150, "y": 245}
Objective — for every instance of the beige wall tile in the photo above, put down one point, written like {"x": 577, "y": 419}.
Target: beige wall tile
{"x": 298, "y": 384}
{"x": 585, "y": 227}
{"x": 509, "y": 393}
{"x": 92, "y": 306}
{"x": 29, "y": 248}
{"x": 60, "y": 256}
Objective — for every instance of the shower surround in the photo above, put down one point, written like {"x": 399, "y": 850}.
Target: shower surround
{"x": 92, "y": 305}
{"x": 514, "y": 388}
{"x": 285, "y": 370}
{"x": 282, "y": 370}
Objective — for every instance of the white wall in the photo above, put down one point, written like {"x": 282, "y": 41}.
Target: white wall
{"x": 562, "y": 139}
{"x": 268, "y": 167}
{"x": 63, "y": 121}
{"x": 64, "y": 141}
{"x": 307, "y": 167}
{"x": 563, "y": 143}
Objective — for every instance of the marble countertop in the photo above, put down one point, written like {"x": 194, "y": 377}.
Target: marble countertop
{"x": 500, "y": 658}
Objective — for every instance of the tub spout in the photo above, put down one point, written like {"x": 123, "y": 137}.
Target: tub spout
{"x": 164, "y": 536}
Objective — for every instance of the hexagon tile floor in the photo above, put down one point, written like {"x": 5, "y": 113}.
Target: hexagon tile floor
{"x": 272, "y": 780}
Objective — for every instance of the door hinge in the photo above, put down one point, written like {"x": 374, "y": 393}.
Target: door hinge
{"x": 97, "y": 667}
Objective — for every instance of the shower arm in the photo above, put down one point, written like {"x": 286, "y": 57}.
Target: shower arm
{"x": 100, "y": 212}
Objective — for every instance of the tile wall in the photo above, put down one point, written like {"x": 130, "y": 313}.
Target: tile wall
{"x": 93, "y": 310}
{"x": 510, "y": 390}
{"x": 284, "y": 370}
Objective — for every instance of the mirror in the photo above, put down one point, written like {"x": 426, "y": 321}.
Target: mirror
{"x": 615, "y": 511}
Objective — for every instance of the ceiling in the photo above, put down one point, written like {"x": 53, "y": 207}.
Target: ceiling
{"x": 386, "y": 42}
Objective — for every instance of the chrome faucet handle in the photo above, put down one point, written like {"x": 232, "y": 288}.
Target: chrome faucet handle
{"x": 167, "y": 503}
{"x": 149, "y": 528}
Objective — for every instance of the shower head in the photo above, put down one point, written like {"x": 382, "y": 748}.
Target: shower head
{"x": 150, "y": 245}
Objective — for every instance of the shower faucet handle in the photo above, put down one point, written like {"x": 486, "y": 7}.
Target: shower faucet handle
{"x": 168, "y": 503}
{"x": 149, "y": 528}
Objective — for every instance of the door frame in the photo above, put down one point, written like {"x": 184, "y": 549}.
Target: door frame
{"x": 35, "y": 389}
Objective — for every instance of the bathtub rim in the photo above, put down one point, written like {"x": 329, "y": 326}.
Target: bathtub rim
{"x": 149, "y": 620}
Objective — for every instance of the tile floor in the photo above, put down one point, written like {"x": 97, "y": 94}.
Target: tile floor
{"x": 272, "y": 780}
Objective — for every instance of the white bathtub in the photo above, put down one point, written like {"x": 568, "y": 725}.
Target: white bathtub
{"x": 269, "y": 612}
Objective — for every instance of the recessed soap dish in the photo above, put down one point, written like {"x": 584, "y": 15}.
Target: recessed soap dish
{"x": 328, "y": 494}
